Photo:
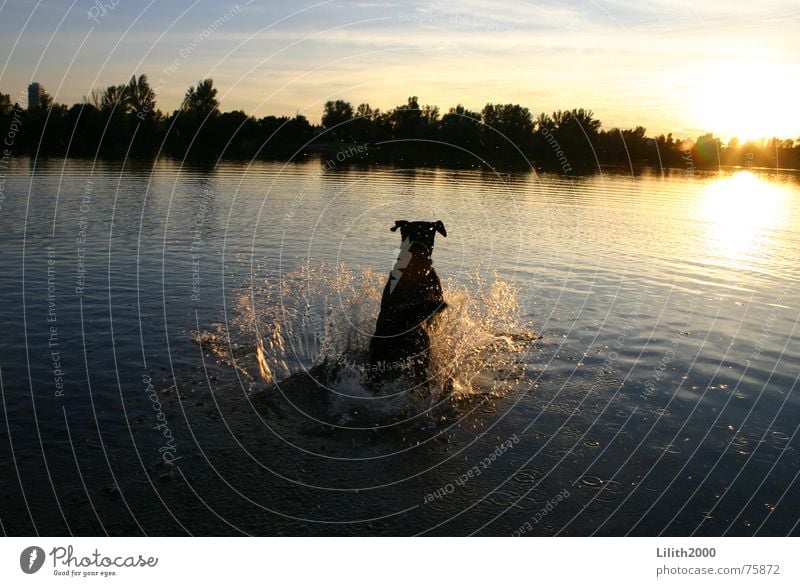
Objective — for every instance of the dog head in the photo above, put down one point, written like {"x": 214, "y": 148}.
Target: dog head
{"x": 420, "y": 235}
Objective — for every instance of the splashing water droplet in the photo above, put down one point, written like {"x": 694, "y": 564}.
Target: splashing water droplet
{"x": 321, "y": 319}
{"x": 591, "y": 481}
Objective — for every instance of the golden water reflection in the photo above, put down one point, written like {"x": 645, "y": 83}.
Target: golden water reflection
{"x": 743, "y": 211}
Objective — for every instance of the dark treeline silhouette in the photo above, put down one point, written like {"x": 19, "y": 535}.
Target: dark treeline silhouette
{"x": 123, "y": 120}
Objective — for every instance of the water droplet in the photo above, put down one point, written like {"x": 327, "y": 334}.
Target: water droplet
{"x": 566, "y": 456}
{"x": 739, "y": 441}
{"x": 529, "y": 476}
{"x": 590, "y": 481}
{"x": 610, "y": 491}
{"x": 670, "y": 449}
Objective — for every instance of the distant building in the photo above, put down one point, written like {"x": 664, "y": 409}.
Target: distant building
{"x": 35, "y": 93}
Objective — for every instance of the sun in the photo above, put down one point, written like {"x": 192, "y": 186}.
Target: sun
{"x": 749, "y": 100}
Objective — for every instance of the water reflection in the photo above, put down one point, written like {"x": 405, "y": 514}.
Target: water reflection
{"x": 742, "y": 210}
{"x": 686, "y": 279}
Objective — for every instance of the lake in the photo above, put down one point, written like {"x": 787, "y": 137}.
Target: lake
{"x": 621, "y": 352}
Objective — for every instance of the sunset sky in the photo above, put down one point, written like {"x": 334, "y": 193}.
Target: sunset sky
{"x": 684, "y": 66}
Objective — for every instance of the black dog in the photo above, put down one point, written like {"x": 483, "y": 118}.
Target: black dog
{"x": 412, "y": 296}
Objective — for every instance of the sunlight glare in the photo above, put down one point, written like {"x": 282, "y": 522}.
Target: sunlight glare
{"x": 740, "y": 209}
{"x": 748, "y": 100}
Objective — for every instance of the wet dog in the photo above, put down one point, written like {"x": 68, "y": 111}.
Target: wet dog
{"x": 411, "y": 298}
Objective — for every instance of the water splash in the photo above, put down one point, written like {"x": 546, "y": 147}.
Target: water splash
{"x": 319, "y": 320}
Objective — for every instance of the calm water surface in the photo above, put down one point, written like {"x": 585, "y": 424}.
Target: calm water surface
{"x": 647, "y": 385}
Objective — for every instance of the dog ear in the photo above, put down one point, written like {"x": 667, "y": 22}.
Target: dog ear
{"x": 440, "y": 228}
{"x": 399, "y": 224}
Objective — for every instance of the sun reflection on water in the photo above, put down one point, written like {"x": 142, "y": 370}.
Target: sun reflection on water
{"x": 742, "y": 211}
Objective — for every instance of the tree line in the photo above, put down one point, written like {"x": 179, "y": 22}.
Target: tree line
{"x": 123, "y": 120}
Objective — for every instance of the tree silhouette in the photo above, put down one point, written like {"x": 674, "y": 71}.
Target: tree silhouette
{"x": 366, "y": 125}
{"x": 140, "y": 98}
{"x": 544, "y": 122}
{"x": 462, "y": 128}
{"x": 574, "y": 133}
{"x": 201, "y": 101}
{"x": 707, "y": 151}
{"x": 194, "y": 129}
{"x": 430, "y": 114}
{"x": 122, "y": 119}
{"x": 576, "y": 120}
{"x": 336, "y": 112}
{"x": 365, "y": 111}
{"x": 112, "y": 97}
{"x": 509, "y": 129}
{"x": 45, "y": 102}
{"x": 405, "y": 119}
{"x": 5, "y": 104}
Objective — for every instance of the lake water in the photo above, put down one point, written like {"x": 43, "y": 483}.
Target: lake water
{"x": 623, "y": 351}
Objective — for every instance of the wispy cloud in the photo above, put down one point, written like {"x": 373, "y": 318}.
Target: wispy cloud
{"x": 631, "y": 62}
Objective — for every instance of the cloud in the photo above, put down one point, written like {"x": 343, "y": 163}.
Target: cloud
{"x": 630, "y": 62}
